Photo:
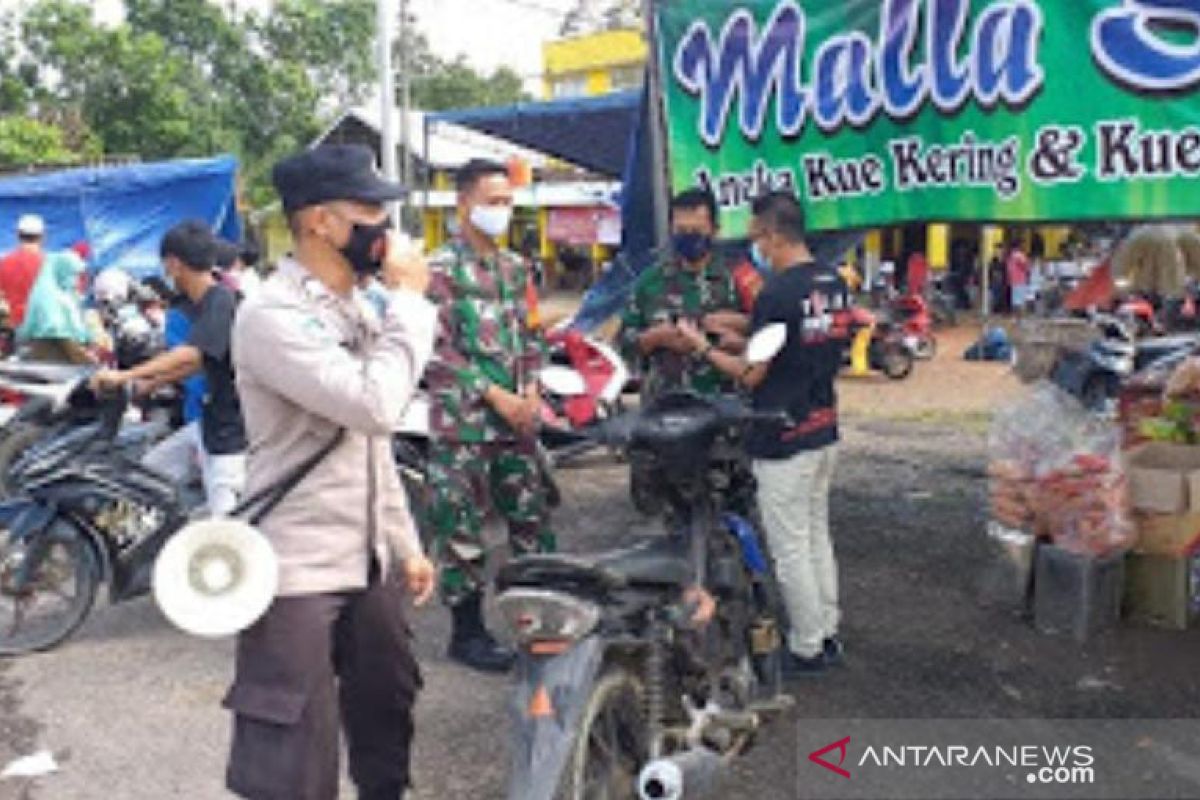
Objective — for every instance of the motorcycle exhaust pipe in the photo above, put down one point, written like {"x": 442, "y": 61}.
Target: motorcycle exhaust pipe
{"x": 692, "y": 771}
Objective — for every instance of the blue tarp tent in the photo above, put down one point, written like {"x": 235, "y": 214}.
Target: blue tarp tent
{"x": 592, "y": 132}
{"x": 123, "y": 212}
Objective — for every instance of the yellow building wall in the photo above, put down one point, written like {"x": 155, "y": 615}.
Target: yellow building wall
{"x": 592, "y": 59}
{"x": 597, "y": 51}
{"x": 599, "y": 82}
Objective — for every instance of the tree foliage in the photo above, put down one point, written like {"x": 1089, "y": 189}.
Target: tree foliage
{"x": 188, "y": 78}
{"x": 26, "y": 141}
{"x": 439, "y": 84}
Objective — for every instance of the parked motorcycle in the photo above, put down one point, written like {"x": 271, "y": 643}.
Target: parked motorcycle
{"x": 618, "y": 694}
{"x": 911, "y": 312}
{"x": 888, "y": 351}
{"x": 44, "y": 401}
{"x": 1095, "y": 374}
{"x": 88, "y": 514}
{"x": 572, "y": 408}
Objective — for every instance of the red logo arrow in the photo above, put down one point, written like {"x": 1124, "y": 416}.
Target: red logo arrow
{"x": 841, "y": 746}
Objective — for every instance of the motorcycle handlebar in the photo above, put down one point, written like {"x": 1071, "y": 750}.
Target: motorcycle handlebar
{"x": 618, "y": 431}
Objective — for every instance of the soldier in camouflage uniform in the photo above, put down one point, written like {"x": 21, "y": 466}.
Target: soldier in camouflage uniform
{"x": 485, "y": 405}
{"x": 694, "y": 285}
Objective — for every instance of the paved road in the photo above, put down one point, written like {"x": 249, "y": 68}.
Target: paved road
{"x": 130, "y": 708}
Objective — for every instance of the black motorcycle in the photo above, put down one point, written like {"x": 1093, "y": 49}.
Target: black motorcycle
{"x": 1096, "y": 373}
{"x": 88, "y": 514}
{"x": 57, "y": 399}
{"x": 618, "y": 693}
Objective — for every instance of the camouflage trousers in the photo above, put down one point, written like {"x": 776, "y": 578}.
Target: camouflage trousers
{"x": 466, "y": 482}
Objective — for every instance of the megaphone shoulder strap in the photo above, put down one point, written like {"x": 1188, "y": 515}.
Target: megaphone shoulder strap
{"x": 274, "y": 494}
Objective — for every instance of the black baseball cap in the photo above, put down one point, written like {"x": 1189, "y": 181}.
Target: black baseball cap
{"x": 332, "y": 172}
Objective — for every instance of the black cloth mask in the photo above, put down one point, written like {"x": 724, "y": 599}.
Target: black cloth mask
{"x": 367, "y": 247}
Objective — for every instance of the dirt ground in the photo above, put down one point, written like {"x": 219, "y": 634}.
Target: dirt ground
{"x": 132, "y": 708}
{"x": 946, "y": 386}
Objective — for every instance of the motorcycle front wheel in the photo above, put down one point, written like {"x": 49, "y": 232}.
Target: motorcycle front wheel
{"x": 612, "y": 745}
{"x": 45, "y": 612}
{"x": 895, "y": 362}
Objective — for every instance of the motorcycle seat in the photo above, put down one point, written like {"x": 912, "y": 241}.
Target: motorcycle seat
{"x": 1161, "y": 345}
{"x": 660, "y": 562}
{"x": 42, "y": 374}
{"x": 678, "y": 431}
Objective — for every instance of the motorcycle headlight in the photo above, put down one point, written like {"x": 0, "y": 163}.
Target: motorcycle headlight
{"x": 540, "y": 615}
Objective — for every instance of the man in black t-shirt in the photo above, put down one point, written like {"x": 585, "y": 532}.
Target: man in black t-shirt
{"x": 794, "y": 460}
{"x": 188, "y": 252}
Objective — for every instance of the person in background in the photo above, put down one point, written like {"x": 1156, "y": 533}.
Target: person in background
{"x": 235, "y": 273}
{"x": 180, "y": 456}
{"x": 188, "y": 252}
{"x": 1016, "y": 268}
{"x": 54, "y": 328}
{"x": 695, "y": 284}
{"x": 19, "y": 269}
{"x": 486, "y": 400}
{"x": 794, "y": 458}
{"x": 917, "y": 274}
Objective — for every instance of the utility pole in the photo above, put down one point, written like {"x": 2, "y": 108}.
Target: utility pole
{"x": 387, "y": 92}
{"x": 406, "y": 104}
{"x": 658, "y": 133}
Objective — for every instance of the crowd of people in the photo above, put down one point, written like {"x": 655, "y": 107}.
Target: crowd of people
{"x": 316, "y": 365}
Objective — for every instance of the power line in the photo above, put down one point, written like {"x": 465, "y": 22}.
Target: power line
{"x": 530, "y": 5}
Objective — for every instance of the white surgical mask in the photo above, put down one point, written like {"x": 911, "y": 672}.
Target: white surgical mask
{"x": 491, "y": 220}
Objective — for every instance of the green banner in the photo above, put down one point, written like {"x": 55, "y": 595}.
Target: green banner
{"x": 887, "y": 111}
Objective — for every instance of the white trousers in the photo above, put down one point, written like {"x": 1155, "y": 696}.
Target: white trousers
{"x": 181, "y": 458}
{"x": 793, "y": 498}
{"x": 177, "y": 457}
{"x": 224, "y": 482}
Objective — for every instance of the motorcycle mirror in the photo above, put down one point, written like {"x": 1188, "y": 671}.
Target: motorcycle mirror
{"x": 562, "y": 381}
{"x": 766, "y": 344}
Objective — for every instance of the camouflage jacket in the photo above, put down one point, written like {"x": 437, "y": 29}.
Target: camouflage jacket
{"x": 484, "y": 338}
{"x": 672, "y": 289}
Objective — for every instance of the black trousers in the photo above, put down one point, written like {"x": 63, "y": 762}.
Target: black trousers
{"x": 306, "y": 659}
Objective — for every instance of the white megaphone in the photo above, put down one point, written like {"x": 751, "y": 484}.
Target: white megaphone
{"x": 216, "y": 577}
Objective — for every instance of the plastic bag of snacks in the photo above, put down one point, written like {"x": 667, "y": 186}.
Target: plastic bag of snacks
{"x": 1056, "y": 472}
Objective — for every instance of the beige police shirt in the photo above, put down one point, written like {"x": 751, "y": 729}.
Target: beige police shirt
{"x": 309, "y": 362}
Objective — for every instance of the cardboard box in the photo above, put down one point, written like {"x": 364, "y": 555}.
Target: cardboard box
{"x": 1167, "y": 534}
{"x": 1165, "y": 478}
{"x": 1162, "y": 590}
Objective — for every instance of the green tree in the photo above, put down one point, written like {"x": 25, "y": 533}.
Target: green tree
{"x": 456, "y": 84}
{"x": 439, "y": 85}
{"x": 27, "y": 142}
{"x": 333, "y": 40}
{"x": 129, "y": 88}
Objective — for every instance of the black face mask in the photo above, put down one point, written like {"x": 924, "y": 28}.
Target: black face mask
{"x": 692, "y": 246}
{"x": 367, "y": 247}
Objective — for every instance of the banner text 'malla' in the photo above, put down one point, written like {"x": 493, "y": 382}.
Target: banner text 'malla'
{"x": 852, "y": 78}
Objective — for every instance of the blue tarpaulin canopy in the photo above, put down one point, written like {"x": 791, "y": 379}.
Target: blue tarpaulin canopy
{"x": 123, "y": 212}
{"x": 592, "y": 132}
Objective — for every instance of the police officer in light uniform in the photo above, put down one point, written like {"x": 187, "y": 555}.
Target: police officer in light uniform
{"x": 314, "y": 357}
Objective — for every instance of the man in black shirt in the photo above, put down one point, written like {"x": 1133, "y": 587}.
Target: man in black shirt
{"x": 188, "y": 252}
{"x": 794, "y": 461}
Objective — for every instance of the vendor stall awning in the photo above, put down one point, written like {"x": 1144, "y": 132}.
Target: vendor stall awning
{"x": 592, "y": 132}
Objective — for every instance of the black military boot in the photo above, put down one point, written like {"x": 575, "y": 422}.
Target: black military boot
{"x": 470, "y": 642}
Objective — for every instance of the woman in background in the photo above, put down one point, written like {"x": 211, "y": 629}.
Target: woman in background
{"x": 54, "y": 329}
